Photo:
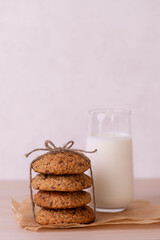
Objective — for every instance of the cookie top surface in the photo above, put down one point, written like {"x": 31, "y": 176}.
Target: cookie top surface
{"x": 69, "y": 183}
{"x": 65, "y": 216}
{"x": 61, "y": 163}
{"x": 61, "y": 200}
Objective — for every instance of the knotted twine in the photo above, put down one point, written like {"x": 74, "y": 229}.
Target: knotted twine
{"x": 51, "y": 148}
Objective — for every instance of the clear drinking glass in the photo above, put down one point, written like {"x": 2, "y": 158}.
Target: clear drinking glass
{"x": 109, "y": 132}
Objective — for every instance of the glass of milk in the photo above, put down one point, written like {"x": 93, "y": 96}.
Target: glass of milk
{"x": 109, "y": 132}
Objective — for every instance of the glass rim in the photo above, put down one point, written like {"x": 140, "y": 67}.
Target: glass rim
{"x": 106, "y": 110}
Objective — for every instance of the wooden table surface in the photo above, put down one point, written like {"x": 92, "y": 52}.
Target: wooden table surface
{"x": 148, "y": 189}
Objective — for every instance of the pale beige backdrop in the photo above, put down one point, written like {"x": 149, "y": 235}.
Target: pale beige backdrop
{"x": 59, "y": 58}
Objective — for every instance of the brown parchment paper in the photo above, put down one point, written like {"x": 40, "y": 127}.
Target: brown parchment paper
{"x": 138, "y": 212}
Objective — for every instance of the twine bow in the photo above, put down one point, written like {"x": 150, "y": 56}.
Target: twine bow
{"x": 51, "y": 147}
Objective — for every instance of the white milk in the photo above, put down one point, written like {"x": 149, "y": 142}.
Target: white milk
{"x": 112, "y": 169}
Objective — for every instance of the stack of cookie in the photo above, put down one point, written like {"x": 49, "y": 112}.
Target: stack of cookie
{"x": 60, "y": 182}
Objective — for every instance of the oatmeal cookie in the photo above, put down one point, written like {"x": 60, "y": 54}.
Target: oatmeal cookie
{"x": 61, "y": 200}
{"x": 69, "y": 183}
{"x": 61, "y": 163}
{"x": 65, "y": 216}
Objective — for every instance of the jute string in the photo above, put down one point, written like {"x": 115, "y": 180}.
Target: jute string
{"x": 51, "y": 148}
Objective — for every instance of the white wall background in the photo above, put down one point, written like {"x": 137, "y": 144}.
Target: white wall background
{"x": 59, "y": 58}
